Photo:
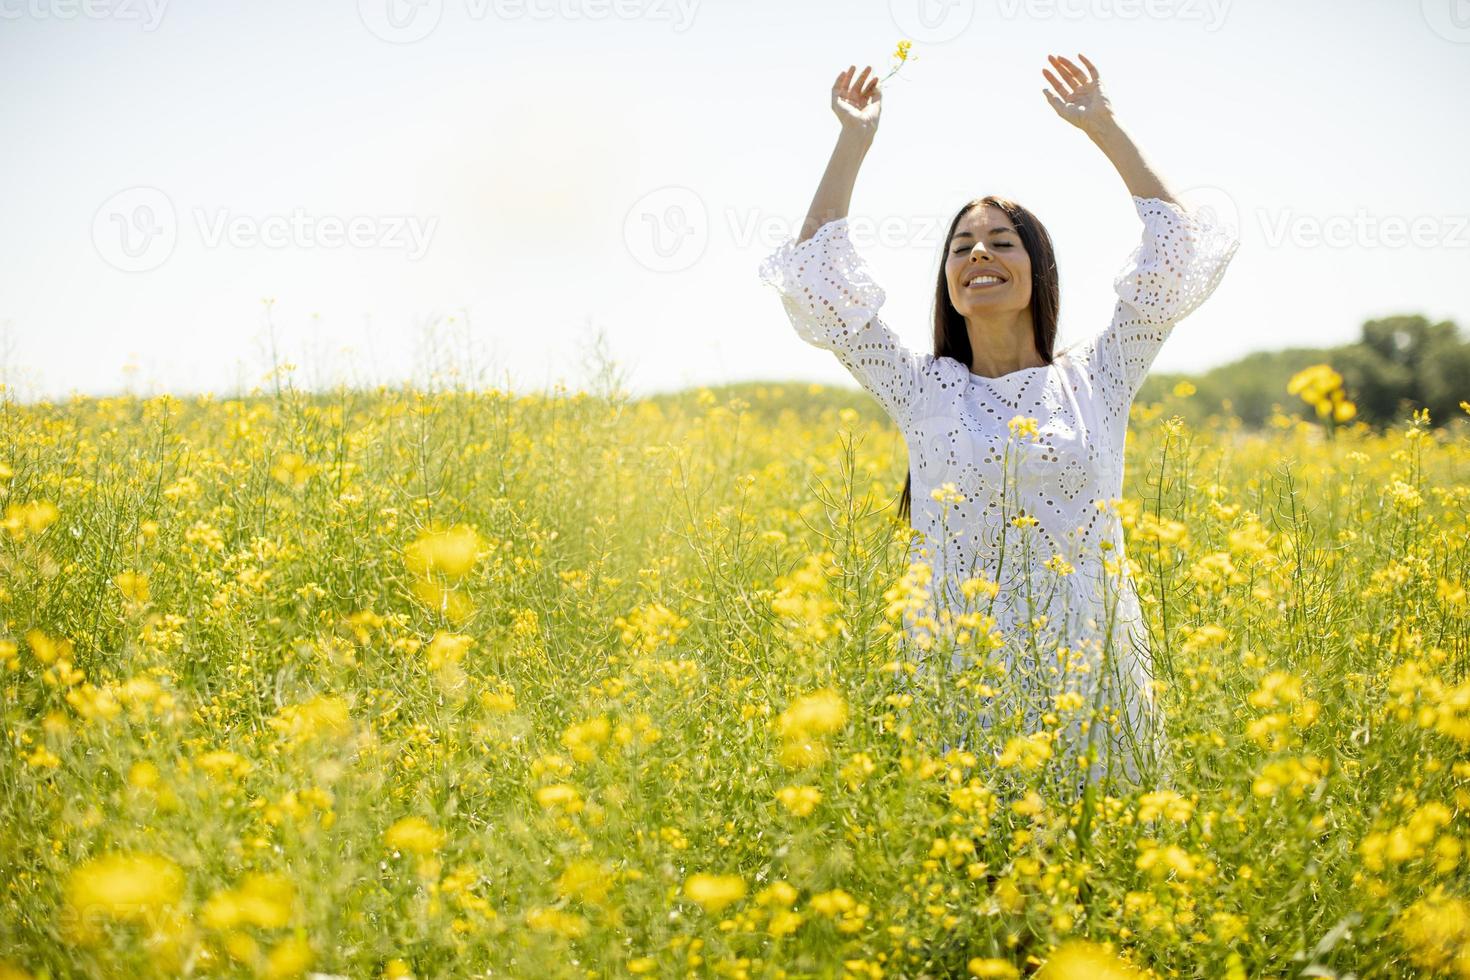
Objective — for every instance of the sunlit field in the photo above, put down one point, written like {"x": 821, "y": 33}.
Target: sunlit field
{"x": 464, "y": 684}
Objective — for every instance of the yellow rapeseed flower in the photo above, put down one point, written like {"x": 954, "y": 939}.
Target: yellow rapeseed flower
{"x": 49, "y": 650}
{"x": 290, "y": 958}
{"x": 1160, "y": 860}
{"x": 451, "y": 553}
{"x": 1436, "y": 929}
{"x": 323, "y": 716}
{"x": 447, "y": 648}
{"x": 902, "y": 55}
{"x": 1166, "y": 803}
{"x": 133, "y": 585}
{"x": 29, "y": 518}
{"x": 292, "y": 470}
{"x": 1078, "y": 959}
{"x": 414, "y": 834}
{"x": 803, "y": 753}
{"x": 947, "y": 493}
{"x": 799, "y": 800}
{"x": 858, "y": 768}
{"x": 560, "y": 795}
{"x": 713, "y": 892}
{"x": 585, "y": 880}
{"x": 1028, "y": 752}
{"x": 1275, "y": 688}
{"x": 1023, "y": 427}
{"x": 501, "y": 701}
{"x": 582, "y": 739}
{"x": 819, "y": 713}
{"x": 649, "y": 627}
{"x": 223, "y": 764}
{"x": 122, "y": 886}
{"x": 264, "y": 900}
{"x": 553, "y": 920}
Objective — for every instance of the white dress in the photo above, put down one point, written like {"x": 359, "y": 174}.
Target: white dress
{"x": 956, "y": 427}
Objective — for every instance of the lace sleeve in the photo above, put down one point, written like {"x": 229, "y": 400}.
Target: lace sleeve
{"x": 1174, "y": 269}
{"x": 833, "y": 303}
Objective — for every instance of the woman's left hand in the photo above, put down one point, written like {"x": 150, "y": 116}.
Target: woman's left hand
{"x": 1079, "y": 99}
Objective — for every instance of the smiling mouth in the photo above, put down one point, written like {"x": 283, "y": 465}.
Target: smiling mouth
{"x": 985, "y": 282}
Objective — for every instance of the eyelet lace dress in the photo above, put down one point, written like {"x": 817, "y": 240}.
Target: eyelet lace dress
{"x": 1066, "y": 606}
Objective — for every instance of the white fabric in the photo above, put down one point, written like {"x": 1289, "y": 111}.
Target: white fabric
{"x": 956, "y": 426}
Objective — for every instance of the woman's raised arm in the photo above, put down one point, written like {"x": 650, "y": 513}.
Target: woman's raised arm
{"x": 826, "y": 287}
{"x": 1179, "y": 261}
{"x": 1080, "y": 100}
{"x": 857, "y": 105}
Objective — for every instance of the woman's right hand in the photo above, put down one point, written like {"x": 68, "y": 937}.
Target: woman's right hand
{"x": 857, "y": 103}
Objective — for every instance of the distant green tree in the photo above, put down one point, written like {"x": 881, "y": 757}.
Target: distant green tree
{"x": 1399, "y": 364}
{"x": 1403, "y": 363}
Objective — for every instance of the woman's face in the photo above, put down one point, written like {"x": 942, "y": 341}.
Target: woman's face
{"x": 985, "y": 248}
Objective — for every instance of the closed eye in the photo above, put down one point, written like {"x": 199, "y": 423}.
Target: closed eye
{"x": 962, "y": 249}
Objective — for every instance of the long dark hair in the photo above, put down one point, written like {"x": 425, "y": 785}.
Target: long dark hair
{"x": 950, "y": 337}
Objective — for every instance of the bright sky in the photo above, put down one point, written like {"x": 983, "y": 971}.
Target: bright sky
{"x": 498, "y": 180}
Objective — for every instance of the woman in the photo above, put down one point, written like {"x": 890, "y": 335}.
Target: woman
{"x": 1024, "y": 506}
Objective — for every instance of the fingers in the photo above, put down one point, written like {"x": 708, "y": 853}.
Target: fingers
{"x": 1070, "y": 71}
{"x": 858, "y": 92}
{"x": 1064, "y": 90}
{"x": 1077, "y": 76}
{"x": 845, "y": 78}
